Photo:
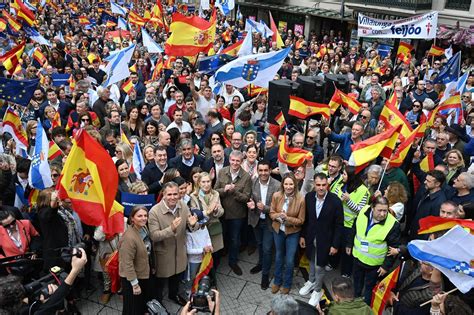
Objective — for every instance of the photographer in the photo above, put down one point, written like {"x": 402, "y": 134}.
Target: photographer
{"x": 214, "y": 303}
{"x": 12, "y": 293}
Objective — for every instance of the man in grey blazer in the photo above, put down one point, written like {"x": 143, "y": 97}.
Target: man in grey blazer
{"x": 263, "y": 189}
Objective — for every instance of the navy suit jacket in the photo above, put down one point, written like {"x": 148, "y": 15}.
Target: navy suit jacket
{"x": 327, "y": 228}
{"x": 184, "y": 170}
{"x": 152, "y": 175}
{"x": 140, "y": 89}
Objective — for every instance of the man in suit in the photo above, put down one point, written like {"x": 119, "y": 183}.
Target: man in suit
{"x": 263, "y": 189}
{"x": 60, "y": 106}
{"x": 216, "y": 162}
{"x": 154, "y": 171}
{"x": 185, "y": 162}
{"x": 321, "y": 234}
{"x": 234, "y": 187}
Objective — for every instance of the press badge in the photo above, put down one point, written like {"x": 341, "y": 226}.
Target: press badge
{"x": 364, "y": 246}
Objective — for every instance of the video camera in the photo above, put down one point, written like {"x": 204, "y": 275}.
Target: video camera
{"x": 39, "y": 287}
{"x": 199, "y": 298}
{"x": 68, "y": 252}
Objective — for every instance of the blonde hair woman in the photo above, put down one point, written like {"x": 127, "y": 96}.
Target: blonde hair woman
{"x": 123, "y": 151}
{"x": 456, "y": 165}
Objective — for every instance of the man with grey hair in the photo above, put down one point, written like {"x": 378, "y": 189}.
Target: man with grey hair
{"x": 185, "y": 162}
{"x": 99, "y": 106}
{"x": 234, "y": 186}
{"x": 374, "y": 173}
{"x": 463, "y": 184}
{"x": 284, "y": 304}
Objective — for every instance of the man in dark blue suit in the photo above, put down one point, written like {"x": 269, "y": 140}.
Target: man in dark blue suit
{"x": 53, "y": 100}
{"x": 185, "y": 162}
{"x": 321, "y": 234}
{"x": 138, "y": 86}
{"x": 216, "y": 162}
{"x": 154, "y": 171}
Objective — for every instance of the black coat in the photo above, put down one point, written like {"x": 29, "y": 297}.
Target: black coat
{"x": 209, "y": 164}
{"x": 184, "y": 170}
{"x": 152, "y": 175}
{"x": 327, "y": 229}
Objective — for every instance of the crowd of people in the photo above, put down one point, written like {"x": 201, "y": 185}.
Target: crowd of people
{"x": 212, "y": 164}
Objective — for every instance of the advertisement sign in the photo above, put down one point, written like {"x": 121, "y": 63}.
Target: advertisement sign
{"x": 299, "y": 29}
{"x": 131, "y": 200}
{"x": 419, "y": 26}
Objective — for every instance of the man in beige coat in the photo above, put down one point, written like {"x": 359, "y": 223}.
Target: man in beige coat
{"x": 167, "y": 223}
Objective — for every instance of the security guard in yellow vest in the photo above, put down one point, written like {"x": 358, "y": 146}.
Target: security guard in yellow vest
{"x": 373, "y": 232}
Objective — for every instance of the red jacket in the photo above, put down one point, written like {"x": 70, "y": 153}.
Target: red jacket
{"x": 26, "y": 230}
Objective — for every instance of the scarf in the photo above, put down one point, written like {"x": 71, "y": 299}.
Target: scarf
{"x": 72, "y": 229}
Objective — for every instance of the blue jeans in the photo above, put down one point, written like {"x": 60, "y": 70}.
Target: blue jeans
{"x": 286, "y": 246}
{"x": 264, "y": 237}
{"x": 364, "y": 277}
{"x": 232, "y": 228}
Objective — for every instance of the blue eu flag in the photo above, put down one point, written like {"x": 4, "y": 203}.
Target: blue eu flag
{"x": 18, "y": 92}
{"x": 451, "y": 70}
{"x": 212, "y": 63}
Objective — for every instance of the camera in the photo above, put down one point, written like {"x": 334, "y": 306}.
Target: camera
{"x": 199, "y": 298}
{"x": 155, "y": 308}
{"x": 68, "y": 252}
{"x": 39, "y": 287}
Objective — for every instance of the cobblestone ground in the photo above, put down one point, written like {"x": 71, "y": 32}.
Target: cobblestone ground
{"x": 239, "y": 294}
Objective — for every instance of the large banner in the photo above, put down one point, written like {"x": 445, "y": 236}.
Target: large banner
{"x": 419, "y": 26}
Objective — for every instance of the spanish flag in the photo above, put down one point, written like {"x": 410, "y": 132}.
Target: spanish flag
{"x": 381, "y": 292}
{"x": 361, "y": 62}
{"x": 452, "y": 102}
{"x": 90, "y": 180}
{"x": 23, "y": 12}
{"x": 190, "y": 35}
{"x": 133, "y": 68}
{"x": 433, "y": 224}
{"x": 157, "y": 71}
{"x": 33, "y": 197}
{"x": 147, "y": 15}
{"x": 135, "y": 19}
{"x": 127, "y": 86}
{"x": 3, "y": 25}
{"x": 276, "y": 37}
{"x": 340, "y": 98}
{"x": 391, "y": 117}
{"x": 110, "y": 23}
{"x": 226, "y": 36}
{"x": 123, "y": 137}
{"x": 12, "y": 58}
{"x": 14, "y": 24}
{"x": 280, "y": 119}
{"x": 12, "y": 125}
{"x": 38, "y": 56}
{"x": 404, "y": 48}
{"x": 402, "y": 150}
{"x": 293, "y": 157}
{"x": 83, "y": 20}
{"x": 56, "y": 122}
{"x": 233, "y": 49}
{"x": 72, "y": 83}
{"x": 436, "y": 51}
{"x": 204, "y": 269}
{"x": 427, "y": 164}
{"x": 54, "y": 150}
{"x": 253, "y": 90}
{"x": 303, "y": 109}
{"x": 157, "y": 14}
{"x": 368, "y": 150}
{"x": 321, "y": 52}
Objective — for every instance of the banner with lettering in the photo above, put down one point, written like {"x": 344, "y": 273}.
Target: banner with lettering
{"x": 418, "y": 26}
{"x": 129, "y": 201}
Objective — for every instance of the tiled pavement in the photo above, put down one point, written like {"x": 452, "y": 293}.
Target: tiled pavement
{"x": 239, "y": 294}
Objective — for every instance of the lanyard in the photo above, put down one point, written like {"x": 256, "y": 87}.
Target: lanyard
{"x": 370, "y": 225}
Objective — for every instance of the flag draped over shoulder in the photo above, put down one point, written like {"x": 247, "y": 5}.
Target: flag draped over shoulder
{"x": 381, "y": 292}
{"x": 190, "y": 35}
{"x": 90, "y": 180}
{"x": 433, "y": 224}
{"x": 455, "y": 263}
{"x": 292, "y": 157}
{"x": 368, "y": 150}
{"x": 303, "y": 109}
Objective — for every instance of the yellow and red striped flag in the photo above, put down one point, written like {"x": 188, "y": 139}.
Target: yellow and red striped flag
{"x": 436, "y": 51}
{"x": 123, "y": 137}
{"x": 3, "y": 25}
{"x": 204, "y": 269}
{"x": 12, "y": 125}
{"x": 253, "y": 90}
{"x": 72, "y": 83}
{"x": 391, "y": 117}
{"x": 432, "y": 224}
{"x": 56, "y": 122}
{"x": 404, "y": 48}
{"x": 293, "y": 157}
{"x": 23, "y": 12}
{"x": 157, "y": 71}
{"x": 341, "y": 98}
{"x": 127, "y": 86}
{"x": 136, "y": 19}
{"x": 452, "y": 103}
{"x": 110, "y": 23}
{"x": 14, "y": 24}
{"x": 133, "y": 68}
{"x": 233, "y": 49}
{"x": 368, "y": 150}
{"x": 402, "y": 150}
{"x": 303, "y": 109}
{"x": 280, "y": 119}
{"x": 276, "y": 37}
{"x": 90, "y": 180}
{"x": 83, "y": 20}
{"x": 33, "y": 197}
{"x": 427, "y": 164}
{"x": 190, "y": 35}
{"x": 12, "y": 58}
{"x": 39, "y": 56}
{"x": 381, "y": 292}
{"x": 54, "y": 150}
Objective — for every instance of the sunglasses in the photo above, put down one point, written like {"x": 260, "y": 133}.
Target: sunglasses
{"x": 416, "y": 106}
{"x": 85, "y": 120}
{"x": 364, "y": 117}
{"x": 10, "y": 225}
{"x": 54, "y": 175}
{"x": 310, "y": 138}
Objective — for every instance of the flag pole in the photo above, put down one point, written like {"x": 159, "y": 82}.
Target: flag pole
{"x": 432, "y": 57}
{"x": 427, "y": 302}
{"x": 383, "y": 174}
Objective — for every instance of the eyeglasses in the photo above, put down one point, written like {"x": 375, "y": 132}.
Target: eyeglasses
{"x": 416, "y": 106}
{"x": 437, "y": 63}
{"x": 216, "y": 138}
{"x": 54, "y": 175}
{"x": 465, "y": 96}
{"x": 310, "y": 138}
{"x": 118, "y": 152}
{"x": 10, "y": 225}
{"x": 364, "y": 117}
